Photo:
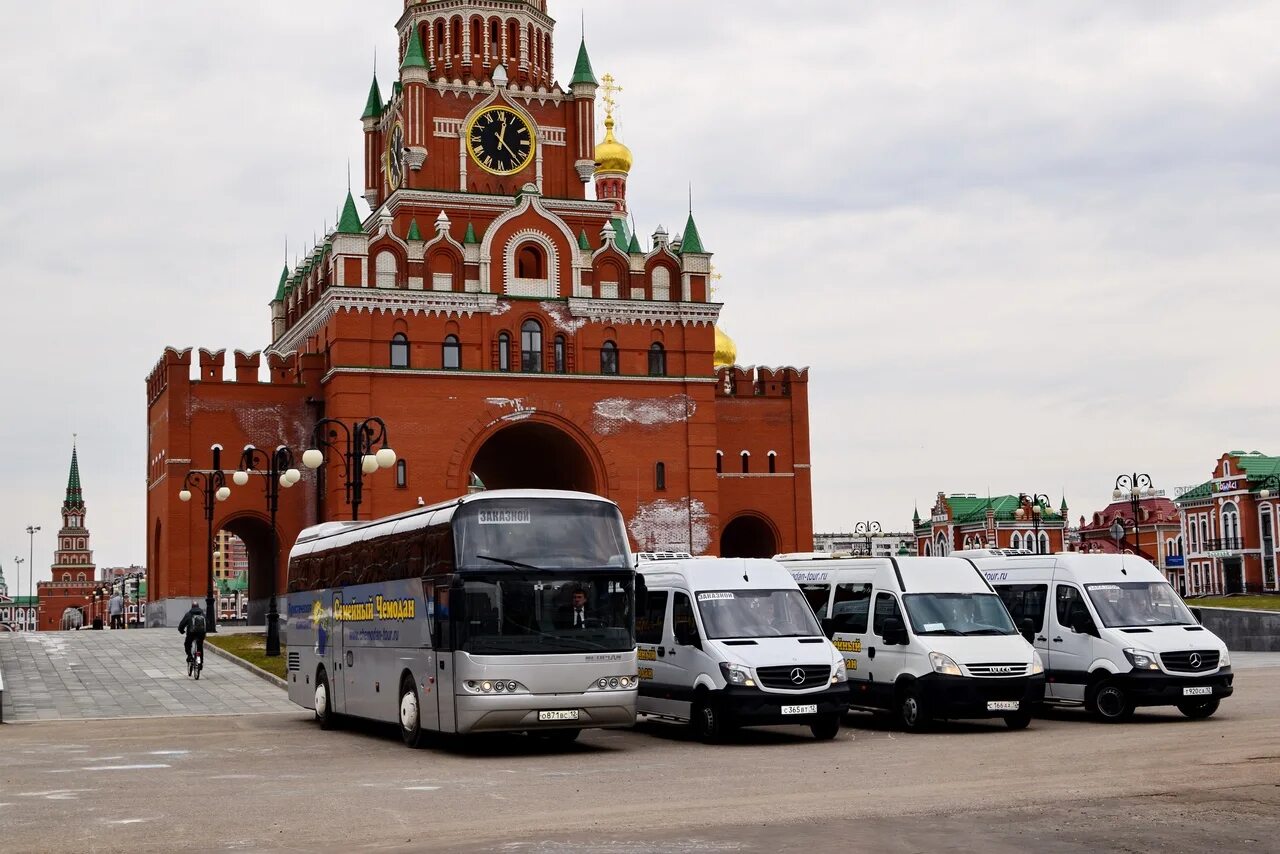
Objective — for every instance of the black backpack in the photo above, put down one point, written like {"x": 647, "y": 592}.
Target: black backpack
{"x": 197, "y": 624}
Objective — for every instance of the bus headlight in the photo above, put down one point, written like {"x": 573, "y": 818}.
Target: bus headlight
{"x": 736, "y": 674}
{"x": 615, "y": 683}
{"x": 840, "y": 673}
{"x": 493, "y": 686}
{"x": 1141, "y": 659}
{"x": 1037, "y": 666}
{"x": 1224, "y": 660}
{"x": 944, "y": 664}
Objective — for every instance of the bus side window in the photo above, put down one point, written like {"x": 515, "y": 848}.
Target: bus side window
{"x": 329, "y": 575}
{"x": 849, "y": 613}
{"x": 817, "y": 595}
{"x": 1025, "y": 602}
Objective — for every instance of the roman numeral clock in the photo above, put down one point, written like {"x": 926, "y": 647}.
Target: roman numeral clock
{"x": 500, "y": 141}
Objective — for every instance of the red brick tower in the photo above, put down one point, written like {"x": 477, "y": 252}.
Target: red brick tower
{"x": 73, "y": 570}
{"x": 512, "y": 331}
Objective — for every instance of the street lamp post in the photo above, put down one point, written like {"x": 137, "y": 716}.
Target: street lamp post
{"x": 1133, "y": 487}
{"x": 32, "y": 530}
{"x": 363, "y": 448}
{"x": 1270, "y": 487}
{"x": 281, "y": 473}
{"x": 212, "y": 487}
{"x": 1038, "y": 501}
{"x": 868, "y": 530}
{"x": 19, "y": 562}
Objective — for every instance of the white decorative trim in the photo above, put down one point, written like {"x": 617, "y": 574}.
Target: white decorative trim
{"x": 387, "y": 301}
{"x": 547, "y": 376}
{"x": 548, "y": 287}
{"x": 448, "y": 128}
{"x": 727, "y": 475}
{"x": 638, "y": 311}
{"x": 528, "y": 201}
{"x": 552, "y": 136}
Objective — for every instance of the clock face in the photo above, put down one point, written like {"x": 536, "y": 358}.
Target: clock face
{"x": 500, "y": 141}
{"x": 395, "y": 156}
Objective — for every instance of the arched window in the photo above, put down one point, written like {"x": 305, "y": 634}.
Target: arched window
{"x": 560, "y": 356}
{"x": 456, "y": 46}
{"x": 1044, "y": 543}
{"x": 495, "y": 39}
{"x": 531, "y": 347}
{"x": 399, "y": 350}
{"x": 452, "y": 352}
{"x": 942, "y": 549}
{"x": 661, "y": 283}
{"x": 513, "y": 39}
{"x": 1230, "y": 525}
{"x": 402, "y": 474}
{"x": 609, "y": 358}
{"x": 80, "y": 577}
{"x": 476, "y": 43}
{"x": 719, "y": 462}
{"x": 746, "y": 462}
{"x": 530, "y": 263}
{"x": 1015, "y": 541}
{"x": 385, "y": 273}
{"x": 657, "y": 360}
{"x": 440, "y": 38}
{"x": 928, "y": 548}
{"x": 773, "y": 462}
{"x": 504, "y": 351}
{"x": 660, "y": 476}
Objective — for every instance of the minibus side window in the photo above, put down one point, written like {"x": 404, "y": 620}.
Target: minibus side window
{"x": 852, "y": 603}
{"x": 886, "y": 608}
{"x": 1069, "y": 603}
{"x": 684, "y": 624}
{"x": 1025, "y": 602}
{"x": 817, "y": 595}
{"x": 650, "y": 616}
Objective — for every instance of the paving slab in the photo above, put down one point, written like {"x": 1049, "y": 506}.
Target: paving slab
{"x": 122, "y": 674}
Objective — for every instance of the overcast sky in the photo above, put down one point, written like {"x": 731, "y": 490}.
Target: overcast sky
{"x": 1022, "y": 246}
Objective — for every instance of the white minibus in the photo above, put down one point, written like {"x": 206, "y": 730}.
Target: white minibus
{"x": 1114, "y": 634}
{"x": 729, "y": 642}
{"x": 923, "y": 638}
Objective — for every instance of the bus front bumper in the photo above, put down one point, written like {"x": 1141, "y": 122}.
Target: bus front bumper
{"x": 1162, "y": 689}
{"x": 532, "y": 712}
{"x": 752, "y": 707}
{"x": 963, "y": 697}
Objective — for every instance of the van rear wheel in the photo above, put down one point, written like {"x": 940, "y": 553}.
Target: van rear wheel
{"x": 1200, "y": 709}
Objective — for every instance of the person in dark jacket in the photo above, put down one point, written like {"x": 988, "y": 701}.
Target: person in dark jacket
{"x": 194, "y": 626}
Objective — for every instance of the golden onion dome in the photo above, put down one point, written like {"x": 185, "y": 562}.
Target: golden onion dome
{"x": 611, "y": 155}
{"x": 726, "y": 354}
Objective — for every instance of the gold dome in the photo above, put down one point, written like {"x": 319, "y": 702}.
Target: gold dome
{"x": 611, "y": 155}
{"x": 726, "y": 354}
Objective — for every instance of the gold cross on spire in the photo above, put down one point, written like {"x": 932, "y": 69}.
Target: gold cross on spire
{"x": 714, "y": 277}
{"x": 610, "y": 87}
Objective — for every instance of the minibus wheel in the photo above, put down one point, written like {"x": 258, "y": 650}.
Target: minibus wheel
{"x": 1200, "y": 709}
{"x": 708, "y": 722}
{"x": 1020, "y": 720}
{"x": 323, "y": 703}
{"x": 912, "y": 714}
{"x": 1109, "y": 701}
{"x": 826, "y": 727}
{"x": 410, "y": 715}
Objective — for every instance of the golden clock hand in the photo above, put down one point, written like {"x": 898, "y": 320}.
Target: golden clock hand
{"x": 502, "y": 135}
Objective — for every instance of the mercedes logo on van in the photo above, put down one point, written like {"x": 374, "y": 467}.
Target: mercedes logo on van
{"x": 1195, "y": 660}
{"x": 797, "y": 675}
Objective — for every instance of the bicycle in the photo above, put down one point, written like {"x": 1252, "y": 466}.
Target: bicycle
{"x": 196, "y": 664}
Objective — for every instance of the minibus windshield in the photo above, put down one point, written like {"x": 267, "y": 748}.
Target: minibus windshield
{"x": 518, "y": 613}
{"x": 958, "y": 614}
{"x": 1138, "y": 603}
{"x": 728, "y": 614}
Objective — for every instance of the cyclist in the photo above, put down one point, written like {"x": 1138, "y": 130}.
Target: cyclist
{"x": 193, "y": 626}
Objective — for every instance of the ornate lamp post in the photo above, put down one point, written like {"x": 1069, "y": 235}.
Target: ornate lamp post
{"x": 212, "y": 487}
{"x": 1038, "y": 501}
{"x": 32, "y": 530}
{"x": 363, "y": 448}
{"x": 1270, "y": 487}
{"x": 868, "y": 530}
{"x": 1133, "y": 487}
{"x": 281, "y": 473}
{"x": 19, "y": 562}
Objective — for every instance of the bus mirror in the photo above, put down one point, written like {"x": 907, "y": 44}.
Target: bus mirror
{"x": 1028, "y": 629}
{"x": 895, "y": 633}
{"x": 1081, "y": 624}
{"x": 828, "y": 627}
{"x": 686, "y": 635}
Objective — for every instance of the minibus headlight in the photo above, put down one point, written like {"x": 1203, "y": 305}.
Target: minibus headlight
{"x": 944, "y": 664}
{"x": 736, "y": 674}
{"x": 1037, "y": 665}
{"x": 1141, "y": 659}
{"x": 1224, "y": 660}
{"x": 840, "y": 672}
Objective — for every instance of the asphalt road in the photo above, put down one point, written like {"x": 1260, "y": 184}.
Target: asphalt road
{"x": 276, "y": 781}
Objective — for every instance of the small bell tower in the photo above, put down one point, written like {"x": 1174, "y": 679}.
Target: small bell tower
{"x": 613, "y": 159}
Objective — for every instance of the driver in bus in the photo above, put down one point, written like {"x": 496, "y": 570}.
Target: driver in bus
{"x": 576, "y": 614}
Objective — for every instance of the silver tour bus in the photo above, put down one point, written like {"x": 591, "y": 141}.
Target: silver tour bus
{"x": 507, "y": 610}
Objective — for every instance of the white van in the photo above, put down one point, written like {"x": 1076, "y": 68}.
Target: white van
{"x": 1114, "y": 634}
{"x": 955, "y": 654}
{"x": 728, "y": 642}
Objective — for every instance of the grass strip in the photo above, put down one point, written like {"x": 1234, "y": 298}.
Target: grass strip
{"x": 253, "y": 649}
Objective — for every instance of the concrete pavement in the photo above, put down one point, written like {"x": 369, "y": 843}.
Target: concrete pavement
{"x": 122, "y": 674}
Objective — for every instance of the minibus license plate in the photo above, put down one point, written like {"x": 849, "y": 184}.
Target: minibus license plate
{"x": 566, "y": 715}
{"x": 1196, "y": 692}
{"x": 1002, "y": 706}
{"x": 800, "y": 710}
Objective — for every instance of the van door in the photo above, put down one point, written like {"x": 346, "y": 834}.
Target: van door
{"x": 1070, "y": 652}
{"x": 684, "y": 653}
{"x": 1027, "y": 602}
{"x": 885, "y": 663}
{"x": 655, "y": 674}
{"x": 850, "y": 618}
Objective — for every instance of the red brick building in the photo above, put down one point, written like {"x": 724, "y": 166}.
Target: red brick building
{"x": 73, "y": 572}
{"x": 1157, "y": 536}
{"x": 1229, "y": 525}
{"x": 509, "y": 326}
{"x": 959, "y": 522}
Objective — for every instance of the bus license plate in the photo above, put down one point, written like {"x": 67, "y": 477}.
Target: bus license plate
{"x": 566, "y": 715}
{"x": 800, "y": 710}
{"x": 1197, "y": 692}
{"x": 1002, "y": 706}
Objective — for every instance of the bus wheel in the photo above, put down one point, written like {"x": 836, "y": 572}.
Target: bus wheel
{"x": 826, "y": 727}
{"x": 410, "y": 715}
{"x": 708, "y": 722}
{"x": 324, "y": 709}
{"x": 912, "y": 715}
{"x": 1200, "y": 709}
{"x": 1109, "y": 702}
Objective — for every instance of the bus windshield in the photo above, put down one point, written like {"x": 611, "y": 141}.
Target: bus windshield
{"x": 1139, "y": 603}
{"x": 728, "y": 614}
{"x": 958, "y": 614}
{"x": 540, "y": 534}
{"x": 541, "y": 613}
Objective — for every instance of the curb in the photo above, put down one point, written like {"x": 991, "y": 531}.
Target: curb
{"x": 252, "y": 668}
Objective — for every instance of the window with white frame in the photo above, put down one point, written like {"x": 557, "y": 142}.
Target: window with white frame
{"x": 385, "y": 270}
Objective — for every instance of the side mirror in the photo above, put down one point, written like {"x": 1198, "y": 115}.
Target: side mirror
{"x": 1028, "y": 629}
{"x": 828, "y": 627}
{"x": 895, "y": 633}
{"x": 1198, "y": 614}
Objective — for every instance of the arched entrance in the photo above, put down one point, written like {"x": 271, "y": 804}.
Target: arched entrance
{"x": 748, "y": 536}
{"x": 535, "y": 455}
{"x": 249, "y": 552}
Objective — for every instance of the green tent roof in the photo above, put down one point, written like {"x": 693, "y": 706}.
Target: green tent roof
{"x": 75, "y": 498}
{"x": 470, "y": 238}
{"x": 692, "y": 242}
{"x": 621, "y": 234}
{"x": 583, "y": 242}
{"x": 413, "y": 55}
{"x": 282, "y": 290}
{"x": 373, "y": 107}
{"x": 582, "y": 72}
{"x": 414, "y": 233}
{"x": 350, "y": 221}
{"x": 634, "y": 246}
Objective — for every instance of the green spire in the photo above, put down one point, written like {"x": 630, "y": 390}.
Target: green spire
{"x": 350, "y": 221}
{"x": 916, "y": 517}
{"x": 414, "y": 233}
{"x": 74, "y": 496}
{"x": 634, "y": 247}
{"x": 413, "y": 55}
{"x": 692, "y": 241}
{"x": 1063, "y": 509}
{"x": 470, "y": 238}
{"x": 583, "y": 243}
{"x": 621, "y": 234}
{"x": 373, "y": 107}
{"x": 582, "y": 72}
{"x": 282, "y": 290}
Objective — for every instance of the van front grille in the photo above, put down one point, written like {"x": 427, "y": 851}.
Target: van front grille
{"x": 1194, "y": 661}
{"x": 794, "y": 677}
{"x": 998, "y": 668}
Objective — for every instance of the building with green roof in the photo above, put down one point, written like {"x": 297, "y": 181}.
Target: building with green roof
{"x": 964, "y": 521}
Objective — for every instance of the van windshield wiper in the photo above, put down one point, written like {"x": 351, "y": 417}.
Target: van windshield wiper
{"x": 984, "y": 632}
{"x": 954, "y": 632}
{"x": 513, "y": 563}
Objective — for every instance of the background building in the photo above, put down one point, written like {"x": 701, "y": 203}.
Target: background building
{"x": 873, "y": 544}
{"x": 17, "y": 613}
{"x": 511, "y": 328}
{"x": 73, "y": 573}
{"x": 1157, "y": 536}
{"x": 965, "y": 521}
{"x": 131, "y": 583}
{"x": 1229, "y": 525}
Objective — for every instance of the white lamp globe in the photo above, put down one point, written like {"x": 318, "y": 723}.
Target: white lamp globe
{"x": 294, "y": 476}
{"x": 184, "y": 495}
{"x": 223, "y": 493}
{"x": 1116, "y": 494}
{"x": 313, "y": 458}
{"x": 285, "y": 482}
{"x": 369, "y": 464}
{"x": 386, "y": 458}
{"x": 240, "y": 478}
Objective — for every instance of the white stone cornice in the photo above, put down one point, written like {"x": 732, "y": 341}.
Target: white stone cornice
{"x": 640, "y": 311}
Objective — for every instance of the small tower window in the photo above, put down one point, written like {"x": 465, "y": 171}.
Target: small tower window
{"x": 746, "y": 462}
{"x": 531, "y": 347}
{"x": 660, "y": 476}
{"x": 504, "y": 351}
{"x": 719, "y": 462}
{"x": 773, "y": 462}
{"x": 657, "y": 360}
{"x": 561, "y": 365}
{"x": 402, "y": 474}
{"x": 609, "y": 359}
{"x": 452, "y": 353}
{"x": 530, "y": 263}
{"x": 399, "y": 350}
